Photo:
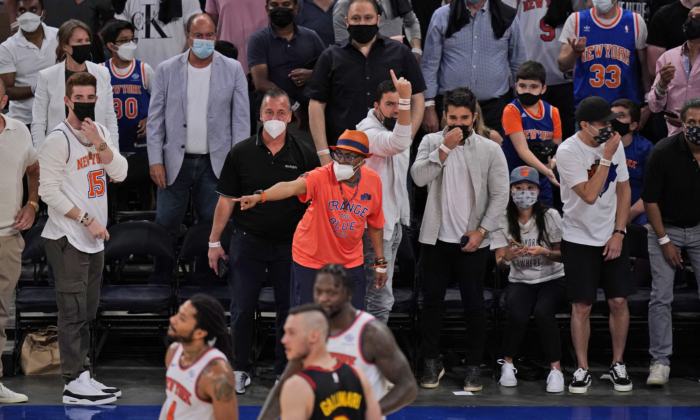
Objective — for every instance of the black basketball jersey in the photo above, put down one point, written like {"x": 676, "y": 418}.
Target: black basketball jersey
{"x": 338, "y": 393}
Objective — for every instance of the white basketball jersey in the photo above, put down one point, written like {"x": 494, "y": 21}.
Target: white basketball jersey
{"x": 182, "y": 401}
{"x": 346, "y": 347}
{"x": 84, "y": 184}
{"x": 541, "y": 40}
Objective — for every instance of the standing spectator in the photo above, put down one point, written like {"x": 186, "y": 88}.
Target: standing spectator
{"x": 76, "y": 159}
{"x": 388, "y": 128}
{"x": 261, "y": 245}
{"x": 671, "y": 191}
{"x": 72, "y": 55}
{"x": 317, "y": 15}
{"x": 541, "y": 37}
{"x": 161, "y": 33}
{"x": 341, "y": 99}
{"x": 530, "y": 123}
{"x": 678, "y": 74}
{"x": 131, "y": 81}
{"x": 17, "y": 157}
{"x": 529, "y": 244}
{"x": 237, "y": 20}
{"x": 279, "y": 55}
{"x": 637, "y": 150}
{"x": 344, "y": 198}
{"x": 586, "y": 38}
{"x": 596, "y": 195}
{"x": 392, "y": 24}
{"x": 467, "y": 179}
{"x": 476, "y": 45}
{"x": 198, "y": 112}
{"x": 666, "y": 30}
{"x": 23, "y": 55}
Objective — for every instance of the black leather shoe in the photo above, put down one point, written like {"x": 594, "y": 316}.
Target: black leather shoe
{"x": 473, "y": 380}
{"x": 432, "y": 373}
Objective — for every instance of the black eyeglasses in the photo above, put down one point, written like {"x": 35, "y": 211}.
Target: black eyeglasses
{"x": 126, "y": 41}
{"x": 341, "y": 158}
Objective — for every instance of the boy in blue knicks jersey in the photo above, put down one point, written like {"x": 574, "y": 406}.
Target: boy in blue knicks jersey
{"x": 605, "y": 46}
{"x": 530, "y": 123}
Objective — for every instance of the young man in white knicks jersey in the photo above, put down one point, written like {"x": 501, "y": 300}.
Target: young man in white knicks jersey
{"x": 199, "y": 381}
{"x": 357, "y": 340}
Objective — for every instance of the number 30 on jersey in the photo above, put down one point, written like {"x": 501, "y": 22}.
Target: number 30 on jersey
{"x": 130, "y": 108}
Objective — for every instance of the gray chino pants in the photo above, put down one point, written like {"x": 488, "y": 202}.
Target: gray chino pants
{"x": 379, "y": 302}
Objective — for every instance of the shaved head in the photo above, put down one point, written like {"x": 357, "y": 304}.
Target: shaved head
{"x": 306, "y": 330}
{"x": 315, "y": 321}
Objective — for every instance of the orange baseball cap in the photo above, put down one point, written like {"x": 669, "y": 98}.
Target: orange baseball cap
{"x": 354, "y": 141}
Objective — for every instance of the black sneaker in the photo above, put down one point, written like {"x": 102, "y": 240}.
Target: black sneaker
{"x": 473, "y": 380}
{"x": 619, "y": 377}
{"x": 581, "y": 382}
{"x": 432, "y": 373}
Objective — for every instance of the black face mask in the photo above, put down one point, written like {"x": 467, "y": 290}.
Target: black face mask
{"x": 528, "y": 99}
{"x": 281, "y": 16}
{"x": 604, "y": 134}
{"x": 621, "y": 128}
{"x": 84, "y": 110}
{"x": 691, "y": 28}
{"x": 388, "y": 122}
{"x": 466, "y": 130}
{"x": 363, "y": 34}
{"x": 81, "y": 53}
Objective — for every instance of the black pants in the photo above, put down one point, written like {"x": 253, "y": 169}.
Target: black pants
{"x": 440, "y": 265}
{"x": 543, "y": 300}
{"x": 562, "y": 97}
{"x": 251, "y": 260}
{"x": 492, "y": 111}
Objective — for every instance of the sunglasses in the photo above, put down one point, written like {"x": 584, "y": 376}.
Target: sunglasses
{"x": 341, "y": 158}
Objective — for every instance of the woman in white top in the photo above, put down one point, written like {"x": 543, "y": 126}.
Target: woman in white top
{"x": 529, "y": 244}
{"x": 72, "y": 55}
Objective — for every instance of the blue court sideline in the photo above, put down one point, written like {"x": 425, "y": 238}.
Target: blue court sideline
{"x": 29, "y": 412}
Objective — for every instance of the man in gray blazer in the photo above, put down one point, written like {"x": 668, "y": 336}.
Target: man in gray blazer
{"x": 198, "y": 112}
{"x": 467, "y": 179}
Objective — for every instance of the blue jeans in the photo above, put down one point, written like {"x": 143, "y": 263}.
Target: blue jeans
{"x": 195, "y": 176}
{"x": 303, "y": 279}
{"x": 251, "y": 260}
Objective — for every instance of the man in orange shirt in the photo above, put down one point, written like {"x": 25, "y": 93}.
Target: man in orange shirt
{"x": 344, "y": 197}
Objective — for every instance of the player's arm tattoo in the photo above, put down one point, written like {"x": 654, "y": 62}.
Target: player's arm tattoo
{"x": 222, "y": 381}
{"x": 379, "y": 346}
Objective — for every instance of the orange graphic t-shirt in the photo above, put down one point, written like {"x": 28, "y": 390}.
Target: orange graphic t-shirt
{"x": 329, "y": 234}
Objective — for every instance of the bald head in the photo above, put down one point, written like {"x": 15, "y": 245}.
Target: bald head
{"x": 200, "y": 22}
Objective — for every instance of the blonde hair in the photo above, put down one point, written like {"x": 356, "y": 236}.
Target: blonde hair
{"x": 65, "y": 32}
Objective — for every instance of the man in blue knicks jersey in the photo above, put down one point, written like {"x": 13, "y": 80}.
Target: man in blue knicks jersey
{"x": 605, "y": 46}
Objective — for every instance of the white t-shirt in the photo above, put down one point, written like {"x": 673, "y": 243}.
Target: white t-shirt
{"x": 457, "y": 197}
{"x": 158, "y": 41}
{"x": 570, "y": 30}
{"x": 583, "y": 223}
{"x": 197, "y": 105}
{"x": 527, "y": 269}
{"x": 26, "y": 60}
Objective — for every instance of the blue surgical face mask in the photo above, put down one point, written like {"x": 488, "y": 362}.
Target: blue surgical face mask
{"x": 203, "y": 48}
{"x": 473, "y": 1}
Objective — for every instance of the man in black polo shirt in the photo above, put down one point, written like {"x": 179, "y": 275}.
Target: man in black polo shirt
{"x": 261, "y": 244}
{"x": 671, "y": 195}
{"x": 342, "y": 87}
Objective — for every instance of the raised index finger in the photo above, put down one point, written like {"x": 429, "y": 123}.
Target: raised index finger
{"x": 393, "y": 76}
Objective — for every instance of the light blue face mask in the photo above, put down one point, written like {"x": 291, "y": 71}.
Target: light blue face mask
{"x": 203, "y": 48}
{"x": 473, "y": 1}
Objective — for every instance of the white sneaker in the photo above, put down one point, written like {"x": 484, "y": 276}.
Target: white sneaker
{"x": 104, "y": 388}
{"x": 658, "y": 374}
{"x": 81, "y": 392}
{"x": 8, "y": 396}
{"x": 508, "y": 372}
{"x": 555, "y": 381}
{"x": 242, "y": 381}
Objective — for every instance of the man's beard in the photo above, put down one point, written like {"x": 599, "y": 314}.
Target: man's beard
{"x": 305, "y": 353}
{"x": 180, "y": 339}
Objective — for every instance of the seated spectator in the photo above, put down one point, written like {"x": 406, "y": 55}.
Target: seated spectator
{"x": 23, "y": 55}
{"x": 484, "y": 131}
{"x": 529, "y": 244}
{"x": 530, "y": 123}
{"x": 677, "y": 75}
{"x": 226, "y": 49}
{"x": 282, "y": 55}
{"x": 162, "y": 33}
{"x": 72, "y": 55}
{"x": 131, "y": 81}
{"x": 671, "y": 197}
{"x": 637, "y": 150}
{"x": 391, "y": 25}
{"x": 236, "y": 21}
{"x": 317, "y": 15}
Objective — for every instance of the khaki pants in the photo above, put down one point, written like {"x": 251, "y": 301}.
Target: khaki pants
{"x": 11, "y": 248}
{"x": 78, "y": 279}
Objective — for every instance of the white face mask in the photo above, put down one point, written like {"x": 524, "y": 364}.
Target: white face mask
{"x": 275, "y": 127}
{"x": 126, "y": 51}
{"x": 343, "y": 172}
{"x": 524, "y": 199}
{"x": 603, "y": 6}
{"x": 29, "y": 22}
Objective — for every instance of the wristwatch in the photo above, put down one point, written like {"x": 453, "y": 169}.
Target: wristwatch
{"x": 262, "y": 194}
{"x": 621, "y": 232}
{"x": 484, "y": 233}
{"x": 34, "y": 204}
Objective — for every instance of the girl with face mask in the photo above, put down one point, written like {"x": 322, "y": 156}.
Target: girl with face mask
{"x": 528, "y": 244}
